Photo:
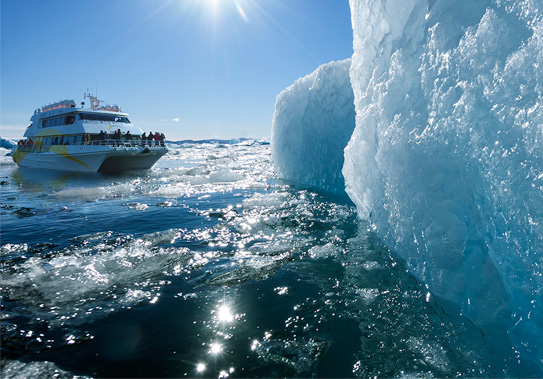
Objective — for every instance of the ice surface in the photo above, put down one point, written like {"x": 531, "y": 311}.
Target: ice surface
{"x": 446, "y": 159}
{"x": 313, "y": 121}
{"x": 98, "y": 269}
{"x": 13, "y": 369}
{"x": 7, "y": 143}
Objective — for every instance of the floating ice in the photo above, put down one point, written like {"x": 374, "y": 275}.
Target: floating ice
{"x": 446, "y": 160}
{"x": 12, "y": 369}
{"x": 7, "y": 143}
{"x": 313, "y": 121}
{"x": 71, "y": 284}
{"x": 225, "y": 175}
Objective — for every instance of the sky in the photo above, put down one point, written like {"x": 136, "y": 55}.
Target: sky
{"x": 193, "y": 69}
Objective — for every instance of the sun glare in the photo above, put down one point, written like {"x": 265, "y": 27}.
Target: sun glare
{"x": 224, "y": 314}
{"x": 215, "y": 6}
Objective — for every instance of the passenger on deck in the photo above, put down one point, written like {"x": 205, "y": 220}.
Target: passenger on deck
{"x": 162, "y": 139}
{"x": 29, "y": 144}
{"x": 143, "y": 139}
{"x": 157, "y": 139}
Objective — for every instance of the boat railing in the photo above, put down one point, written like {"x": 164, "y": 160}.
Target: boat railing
{"x": 125, "y": 143}
{"x": 39, "y": 148}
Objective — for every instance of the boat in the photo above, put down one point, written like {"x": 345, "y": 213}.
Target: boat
{"x": 99, "y": 138}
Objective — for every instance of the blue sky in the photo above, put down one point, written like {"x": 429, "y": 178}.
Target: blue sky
{"x": 194, "y": 69}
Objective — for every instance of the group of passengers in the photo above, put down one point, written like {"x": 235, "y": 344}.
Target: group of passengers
{"x": 25, "y": 145}
{"x": 117, "y": 135}
{"x": 28, "y": 142}
{"x": 159, "y": 139}
{"x": 88, "y": 139}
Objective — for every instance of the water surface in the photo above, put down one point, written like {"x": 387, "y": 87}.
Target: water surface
{"x": 208, "y": 266}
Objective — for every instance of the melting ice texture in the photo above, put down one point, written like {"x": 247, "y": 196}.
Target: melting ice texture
{"x": 446, "y": 159}
{"x": 316, "y": 108}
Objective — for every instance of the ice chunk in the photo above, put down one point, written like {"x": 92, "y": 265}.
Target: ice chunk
{"x": 446, "y": 159}
{"x": 313, "y": 121}
{"x": 13, "y": 369}
{"x": 7, "y": 143}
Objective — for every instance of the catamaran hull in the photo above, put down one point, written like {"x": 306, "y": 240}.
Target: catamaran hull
{"x": 91, "y": 158}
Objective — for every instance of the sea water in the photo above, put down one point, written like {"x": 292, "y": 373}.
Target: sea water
{"x": 208, "y": 266}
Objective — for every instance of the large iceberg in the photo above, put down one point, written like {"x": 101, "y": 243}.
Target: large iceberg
{"x": 446, "y": 159}
{"x": 313, "y": 121}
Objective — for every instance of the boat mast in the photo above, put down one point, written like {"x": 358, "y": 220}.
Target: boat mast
{"x": 95, "y": 103}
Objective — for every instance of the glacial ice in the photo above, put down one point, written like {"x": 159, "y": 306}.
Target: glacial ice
{"x": 446, "y": 159}
{"x": 313, "y": 121}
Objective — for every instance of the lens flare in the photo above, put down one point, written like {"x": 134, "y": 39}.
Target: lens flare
{"x": 241, "y": 11}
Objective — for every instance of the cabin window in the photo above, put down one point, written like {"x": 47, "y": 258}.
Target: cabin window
{"x": 103, "y": 117}
{"x": 58, "y": 121}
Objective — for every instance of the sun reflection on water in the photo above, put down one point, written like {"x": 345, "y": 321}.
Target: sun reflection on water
{"x": 215, "y": 348}
{"x": 200, "y": 367}
{"x": 224, "y": 314}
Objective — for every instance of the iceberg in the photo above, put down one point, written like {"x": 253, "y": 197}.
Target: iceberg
{"x": 7, "y": 143}
{"x": 446, "y": 157}
{"x": 313, "y": 121}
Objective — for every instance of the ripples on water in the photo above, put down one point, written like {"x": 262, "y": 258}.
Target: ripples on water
{"x": 207, "y": 266}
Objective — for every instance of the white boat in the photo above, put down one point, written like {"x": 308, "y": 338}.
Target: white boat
{"x": 96, "y": 139}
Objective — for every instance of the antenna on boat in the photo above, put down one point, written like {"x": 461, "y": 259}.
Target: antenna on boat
{"x": 97, "y": 74}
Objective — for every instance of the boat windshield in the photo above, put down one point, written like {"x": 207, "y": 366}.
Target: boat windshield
{"x": 103, "y": 117}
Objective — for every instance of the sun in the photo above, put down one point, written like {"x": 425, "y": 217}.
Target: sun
{"x": 215, "y": 5}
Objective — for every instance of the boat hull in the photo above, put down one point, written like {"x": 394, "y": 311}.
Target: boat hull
{"x": 89, "y": 158}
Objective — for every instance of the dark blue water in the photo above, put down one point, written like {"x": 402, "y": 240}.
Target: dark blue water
{"x": 208, "y": 266}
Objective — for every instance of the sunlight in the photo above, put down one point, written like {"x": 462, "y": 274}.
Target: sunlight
{"x": 215, "y": 348}
{"x": 200, "y": 367}
{"x": 224, "y": 314}
{"x": 215, "y": 6}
